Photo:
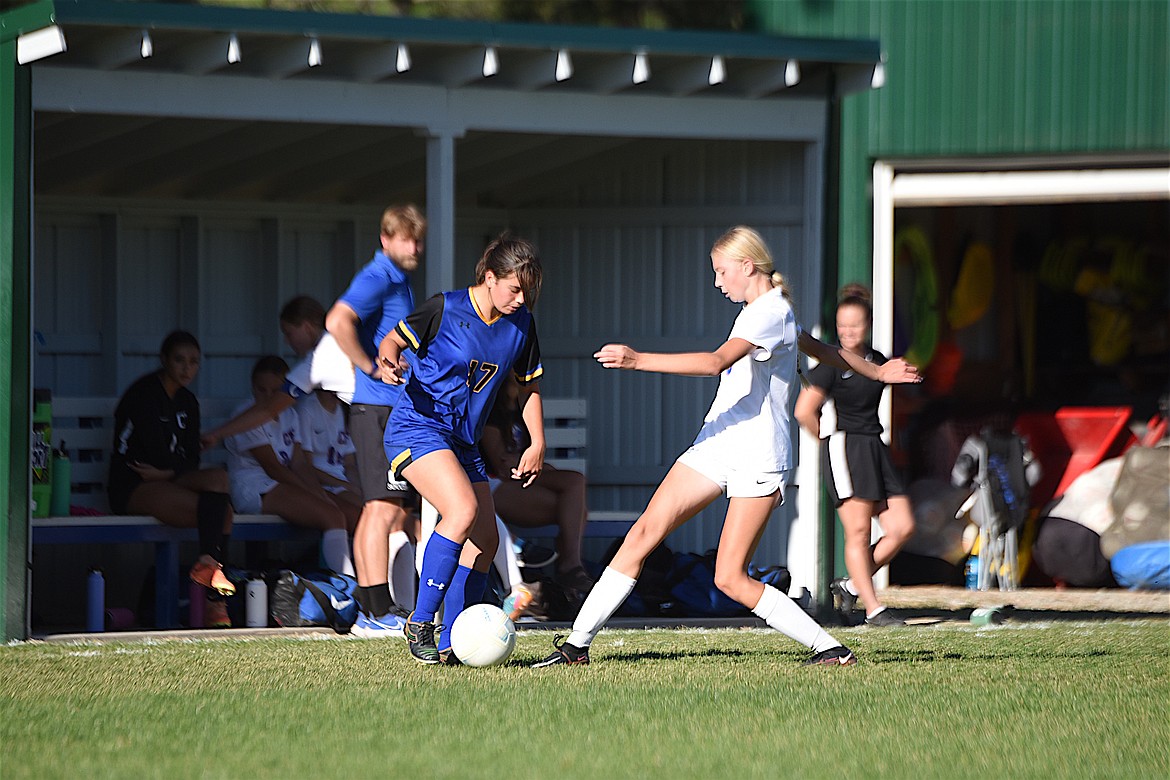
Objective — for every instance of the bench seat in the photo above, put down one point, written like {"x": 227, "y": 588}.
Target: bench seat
{"x": 85, "y": 424}
{"x": 127, "y": 529}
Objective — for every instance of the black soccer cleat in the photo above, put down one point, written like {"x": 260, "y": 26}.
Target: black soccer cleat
{"x": 420, "y": 638}
{"x": 834, "y": 656}
{"x": 565, "y": 654}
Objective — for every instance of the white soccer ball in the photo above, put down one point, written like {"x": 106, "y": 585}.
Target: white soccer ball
{"x": 483, "y": 635}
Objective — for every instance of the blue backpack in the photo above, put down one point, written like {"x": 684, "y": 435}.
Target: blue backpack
{"x": 692, "y": 581}
{"x": 319, "y": 598}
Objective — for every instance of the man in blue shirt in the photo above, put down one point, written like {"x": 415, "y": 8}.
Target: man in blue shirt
{"x": 378, "y": 297}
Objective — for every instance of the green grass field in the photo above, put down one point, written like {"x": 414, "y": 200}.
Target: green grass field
{"x": 1044, "y": 700}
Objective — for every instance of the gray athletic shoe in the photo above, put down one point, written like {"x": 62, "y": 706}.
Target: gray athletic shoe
{"x": 884, "y": 619}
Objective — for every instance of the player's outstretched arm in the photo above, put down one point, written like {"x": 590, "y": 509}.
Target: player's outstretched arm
{"x": 893, "y": 371}
{"x": 681, "y": 363}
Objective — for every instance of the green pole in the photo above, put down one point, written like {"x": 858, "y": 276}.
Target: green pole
{"x": 15, "y": 307}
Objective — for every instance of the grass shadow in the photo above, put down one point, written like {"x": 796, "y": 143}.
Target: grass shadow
{"x": 656, "y": 655}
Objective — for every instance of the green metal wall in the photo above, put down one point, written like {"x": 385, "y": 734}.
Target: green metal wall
{"x": 15, "y": 140}
{"x": 15, "y": 307}
{"x": 989, "y": 78}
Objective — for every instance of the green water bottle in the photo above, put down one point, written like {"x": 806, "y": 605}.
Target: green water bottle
{"x": 41, "y": 452}
{"x": 62, "y": 482}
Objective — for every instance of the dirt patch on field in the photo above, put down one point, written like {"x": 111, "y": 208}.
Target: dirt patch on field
{"x": 1106, "y": 600}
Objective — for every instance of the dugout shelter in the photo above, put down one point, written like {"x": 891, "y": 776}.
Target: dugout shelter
{"x": 168, "y": 166}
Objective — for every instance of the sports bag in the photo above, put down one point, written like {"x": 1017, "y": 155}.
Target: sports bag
{"x": 318, "y": 598}
{"x": 693, "y": 587}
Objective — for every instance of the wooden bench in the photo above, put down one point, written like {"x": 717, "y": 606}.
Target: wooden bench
{"x": 86, "y": 425}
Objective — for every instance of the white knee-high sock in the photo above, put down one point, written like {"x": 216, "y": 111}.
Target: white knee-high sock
{"x": 786, "y": 616}
{"x": 335, "y": 551}
{"x": 607, "y": 595}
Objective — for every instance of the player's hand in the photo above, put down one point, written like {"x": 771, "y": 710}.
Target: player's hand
{"x": 207, "y": 441}
{"x": 390, "y": 372}
{"x": 616, "y": 356}
{"x": 897, "y": 371}
{"x": 530, "y": 465}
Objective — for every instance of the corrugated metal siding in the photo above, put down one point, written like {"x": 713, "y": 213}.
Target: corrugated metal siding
{"x": 113, "y": 280}
{"x": 1031, "y": 77}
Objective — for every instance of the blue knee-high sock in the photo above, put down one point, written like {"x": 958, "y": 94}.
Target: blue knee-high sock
{"x": 440, "y": 560}
{"x": 467, "y": 588}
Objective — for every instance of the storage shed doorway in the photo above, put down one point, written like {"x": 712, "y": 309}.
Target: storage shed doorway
{"x": 1019, "y": 286}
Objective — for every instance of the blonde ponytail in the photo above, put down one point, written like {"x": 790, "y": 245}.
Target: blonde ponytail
{"x": 744, "y": 242}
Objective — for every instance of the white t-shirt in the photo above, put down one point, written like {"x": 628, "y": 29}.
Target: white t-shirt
{"x": 750, "y": 421}
{"x": 249, "y": 480}
{"x": 324, "y": 436}
{"x": 325, "y": 368}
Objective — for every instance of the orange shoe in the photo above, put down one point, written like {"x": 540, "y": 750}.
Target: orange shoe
{"x": 518, "y": 601}
{"x": 210, "y": 575}
{"x": 215, "y": 614}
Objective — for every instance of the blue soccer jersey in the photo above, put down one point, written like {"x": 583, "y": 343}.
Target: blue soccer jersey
{"x": 460, "y": 359}
{"x": 380, "y": 294}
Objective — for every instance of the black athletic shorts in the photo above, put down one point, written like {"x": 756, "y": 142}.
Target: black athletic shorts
{"x": 858, "y": 465}
{"x": 367, "y": 428}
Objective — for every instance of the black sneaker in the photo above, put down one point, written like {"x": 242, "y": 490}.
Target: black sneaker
{"x": 533, "y": 556}
{"x": 447, "y": 658}
{"x": 884, "y": 618}
{"x": 565, "y": 653}
{"x": 575, "y": 579}
{"x": 420, "y": 638}
{"x": 844, "y": 601}
{"x": 834, "y": 656}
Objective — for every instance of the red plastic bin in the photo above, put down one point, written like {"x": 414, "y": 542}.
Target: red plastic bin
{"x": 1072, "y": 441}
{"x": 1093, "y": 433}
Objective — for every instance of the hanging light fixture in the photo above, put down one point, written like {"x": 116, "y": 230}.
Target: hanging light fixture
{"x": 641, "y": 68}
{"x": 717, "y": 73}
{"x": 491, "y": 62}
{"x": 564, "y": 65}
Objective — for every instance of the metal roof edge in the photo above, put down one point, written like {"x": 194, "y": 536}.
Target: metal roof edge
{"x": 409, "y": 29}
{"x": 16, "y": 22}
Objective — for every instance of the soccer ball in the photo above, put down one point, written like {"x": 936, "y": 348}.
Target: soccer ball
{"x": 483, "y": 635}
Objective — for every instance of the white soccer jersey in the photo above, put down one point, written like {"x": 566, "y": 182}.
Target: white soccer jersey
{"x": 325, "y": 368}
{"x": 248, "y": 478}
{"x": 750, "y": 421}
{"x": 324, "y": 435}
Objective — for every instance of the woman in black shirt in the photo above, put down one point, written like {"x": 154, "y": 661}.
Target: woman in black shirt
{"x": 856, "y": 462}
{"x": 154, "y": 467}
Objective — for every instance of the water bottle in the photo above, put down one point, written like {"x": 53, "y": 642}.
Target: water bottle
{"x": 95, "y": 611}
{"x": 41, "y": 453}
{"x": 197, "y": 601}
{"x": 256, "y": 600}
{"x": 972, "y": 572}
{"x": 62, "y": 491}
